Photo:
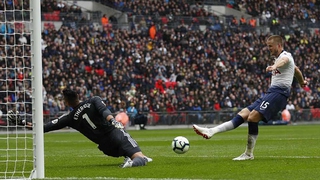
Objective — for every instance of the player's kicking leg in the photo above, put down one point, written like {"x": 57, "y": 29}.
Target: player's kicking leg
{"x": 229, "y": 125}
{"x": 204, "y": 132}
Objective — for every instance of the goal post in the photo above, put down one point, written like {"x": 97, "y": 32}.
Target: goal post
{"x": 37, "y": 100}
{"x": 21, "y": 149}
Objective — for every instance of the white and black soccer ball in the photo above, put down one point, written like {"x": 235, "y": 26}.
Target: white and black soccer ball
{"x": 180, "y": 145}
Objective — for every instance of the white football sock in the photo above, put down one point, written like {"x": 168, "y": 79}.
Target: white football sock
{"x": 222, "y": 127}
{"x": 251, "y": 144}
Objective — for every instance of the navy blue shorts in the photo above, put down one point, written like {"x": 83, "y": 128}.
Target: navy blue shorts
{"x": 269, "y": 105}
{"x": 119, "y": 143}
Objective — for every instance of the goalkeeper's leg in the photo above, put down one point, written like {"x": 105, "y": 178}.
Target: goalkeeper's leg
{"x": 120, "y": 143}
{"x": 138, "y": 159}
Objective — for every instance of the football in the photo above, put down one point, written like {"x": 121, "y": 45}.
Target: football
{"x": 180, "y": 145}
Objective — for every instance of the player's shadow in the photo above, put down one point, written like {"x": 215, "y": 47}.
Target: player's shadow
{"x": 86, "y": 166}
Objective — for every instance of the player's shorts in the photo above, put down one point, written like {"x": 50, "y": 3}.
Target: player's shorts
{"x": 119, "y": 143}
{"x": 269, "y": 105}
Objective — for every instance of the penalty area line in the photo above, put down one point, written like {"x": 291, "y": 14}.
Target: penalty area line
{"x": 257, "y": 156}
{"x": 107, "y": 178}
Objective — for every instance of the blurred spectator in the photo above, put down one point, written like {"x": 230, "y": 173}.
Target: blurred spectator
{"x": 132, "y": 113}
{"x": 152, "y": 31}
{"x": 104, "y": 20}
{"x": 141, "y": 119}
{"x": 291, "y": 108}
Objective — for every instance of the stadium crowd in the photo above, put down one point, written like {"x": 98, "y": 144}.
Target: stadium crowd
{"x": 162, "y": 8}
{"x": 169, "y": 70}
{"x": 289, "y": 11}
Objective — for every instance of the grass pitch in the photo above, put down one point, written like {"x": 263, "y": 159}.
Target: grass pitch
{"x": 282, "y": 152}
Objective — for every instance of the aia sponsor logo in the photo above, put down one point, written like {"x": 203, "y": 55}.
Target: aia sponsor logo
{"x": 275, "y": 72}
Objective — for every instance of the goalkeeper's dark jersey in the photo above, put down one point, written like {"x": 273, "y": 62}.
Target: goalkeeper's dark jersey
{"x": 87, "y": 118}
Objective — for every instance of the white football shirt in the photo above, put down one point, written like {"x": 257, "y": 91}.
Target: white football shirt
{"x": 283, "y": 76}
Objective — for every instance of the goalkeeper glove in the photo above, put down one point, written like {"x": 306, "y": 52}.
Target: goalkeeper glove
{"x": 15, "y": 118}
{"x": 116, "y": 124}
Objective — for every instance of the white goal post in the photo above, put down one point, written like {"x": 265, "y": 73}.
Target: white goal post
{"x": 21, "y": 149}
{"x": 37, "y": 89}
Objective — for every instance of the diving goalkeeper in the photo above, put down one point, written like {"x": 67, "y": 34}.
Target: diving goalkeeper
{"x": 94, "y": 120}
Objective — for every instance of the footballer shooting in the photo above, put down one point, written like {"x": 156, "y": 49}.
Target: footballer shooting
{"x": 265, "y": 108}
{"x": 95, "y": 121}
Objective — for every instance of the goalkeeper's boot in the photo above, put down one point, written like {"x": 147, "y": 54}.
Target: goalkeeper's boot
{"x": 244, "y": 157}
{"x": 148, "y": 159}
{"x": 204, "y": 132}
{"x": 127, "y": 163}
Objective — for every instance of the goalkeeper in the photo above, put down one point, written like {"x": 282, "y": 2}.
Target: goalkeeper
{"x": 94, "y": 120}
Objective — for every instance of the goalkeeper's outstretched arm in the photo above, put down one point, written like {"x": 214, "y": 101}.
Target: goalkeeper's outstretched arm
{"x": 59, "y": 123}
{"x": 15, "y": 118}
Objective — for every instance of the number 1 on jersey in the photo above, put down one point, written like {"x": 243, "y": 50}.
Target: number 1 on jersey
{"x": 86, "y": 117}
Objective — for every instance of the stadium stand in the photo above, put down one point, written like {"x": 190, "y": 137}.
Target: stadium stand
{"x": 181, "y": 68}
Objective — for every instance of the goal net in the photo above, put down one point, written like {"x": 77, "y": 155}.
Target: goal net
{"x": 21, "y": 148}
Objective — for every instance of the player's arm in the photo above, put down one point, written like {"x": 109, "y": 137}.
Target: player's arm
{"x": 58, "y": 123}
{"x": 105, "y": 112}
{"x": 15, "y": 118}
{"x": 281, "y": 62}
{"x": 102, "y": 108}
{"x": 298, "y": 75}
{"x": 55, "y": 124}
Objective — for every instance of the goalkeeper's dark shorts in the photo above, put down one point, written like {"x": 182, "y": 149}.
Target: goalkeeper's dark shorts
{"x": 119, "y": 143}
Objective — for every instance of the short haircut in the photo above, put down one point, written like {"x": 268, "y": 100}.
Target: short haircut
{"x": 70, "y": 95}
{"x": 276, "y": 39}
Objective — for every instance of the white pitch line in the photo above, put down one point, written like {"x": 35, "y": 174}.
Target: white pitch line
{"x": 292, "y": 157}
{"x": 279, "y": 157}
{"x": 307, "y": 138}
{"x": 204, "y": 156}
{"x": 84, "y": 178}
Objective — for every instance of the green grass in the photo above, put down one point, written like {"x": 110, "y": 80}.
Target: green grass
{"x": 282, "y": 152}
